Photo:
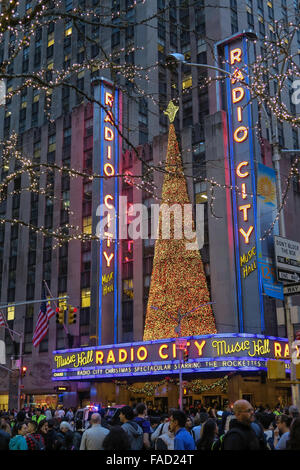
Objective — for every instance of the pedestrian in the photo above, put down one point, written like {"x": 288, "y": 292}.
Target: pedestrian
{"x": 162, "y": 428}
{"x": 92, "y": 438}
{"x": 51, "y": 436}
{"x": 78, "y": 432}
{"x": 48, "y": 413}
{"x": 189, "y": 426}
{"x": 277, "y": 411}
{"x": 65, "y": 437}
{"x": 117, "y": 440}
{"x": 69, "y": 415}
{"x": 133, "y": 430}
{"x": 199, "y": 421}
{"x": 259, "y": 431}
{"x": 183, "y": 439}
{"x": 282, "y": 432}
{"x": 141, "y": 420}
{"x": 59, "y": 413}
{"x": 241, "y": 436}
{"x": 209, "y": 435}
{"x": 165, "y": 441}
{"x": 227, "y": 412}
{"x": 35, "y": 441}
{"x": 18, "y": 441}
{"x": 294, "y": 412}
{"x": 266, "y": 420}
{"x": 293, "y": 442}
{"x": 38, "y": 416}
{"x": 4, "y": 436}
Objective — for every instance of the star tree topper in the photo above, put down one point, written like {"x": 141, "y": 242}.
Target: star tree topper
{"x": 171, "y": 111}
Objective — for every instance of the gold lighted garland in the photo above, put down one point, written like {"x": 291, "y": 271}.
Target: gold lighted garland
{"x": 195, "y": 386}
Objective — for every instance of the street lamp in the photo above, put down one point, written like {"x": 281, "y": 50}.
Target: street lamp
{"x": 177, "y": 330}
{"x": 178, "y": 58}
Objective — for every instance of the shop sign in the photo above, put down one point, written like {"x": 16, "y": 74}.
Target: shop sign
{"x": 242, "y": 171}
{"x": 206, "y": 353}
{"x": 107, "y": 146}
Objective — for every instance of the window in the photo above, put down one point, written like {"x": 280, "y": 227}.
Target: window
{"x": 11, "y": 313}
{"x": 187, "y": 82}
{"x": 87, "y": 225}
{"x": 86, "y": 298}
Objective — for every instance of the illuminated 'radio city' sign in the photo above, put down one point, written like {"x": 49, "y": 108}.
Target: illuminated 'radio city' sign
{"x": 107, "y": 146}
{"x": 242, "y": 169}
{"x": 210, "y": 352}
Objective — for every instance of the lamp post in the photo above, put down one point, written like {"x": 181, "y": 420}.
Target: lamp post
{"x": 176, "y": 57}
{"x": 180, "y": 316}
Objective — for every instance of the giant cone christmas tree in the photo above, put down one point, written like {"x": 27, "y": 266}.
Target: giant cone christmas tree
{"x": 178, "y": 281}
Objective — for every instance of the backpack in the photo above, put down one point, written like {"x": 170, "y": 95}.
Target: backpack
{"x": 218, "y": 444}
{"x": 257, "y": 428}
{"x": 270, "y": 442}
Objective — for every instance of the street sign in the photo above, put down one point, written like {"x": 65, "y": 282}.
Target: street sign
{"x": 287, "y": 276}
{"x": 287, "y": 259}
{"x": 2, "y": 353}
{"x": 292, "y": 289}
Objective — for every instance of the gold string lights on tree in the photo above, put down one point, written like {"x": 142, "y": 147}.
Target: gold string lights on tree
{"x": 178, "y": 281}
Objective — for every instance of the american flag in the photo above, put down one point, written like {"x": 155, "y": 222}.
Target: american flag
{"x": 42, "y": 326}
{"x": 2, "y": 320}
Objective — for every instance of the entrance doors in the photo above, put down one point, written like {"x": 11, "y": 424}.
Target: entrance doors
{"x": 161, "y": 403}
{"x": 210, "y": 400}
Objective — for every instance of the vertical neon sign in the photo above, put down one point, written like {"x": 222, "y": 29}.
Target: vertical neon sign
{"x": 242, "y": 168}
{"x": 109, "y": 125}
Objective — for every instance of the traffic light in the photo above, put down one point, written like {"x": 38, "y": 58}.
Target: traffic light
{"x": 60, "y": 315}
{"x": 186, "y": 354}
{"x": 23, "y": 371}
{"x": 72, "y": 315}
{"x": 276, "y": 369}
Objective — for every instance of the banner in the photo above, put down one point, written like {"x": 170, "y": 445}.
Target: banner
{"x": 266, "y": 213}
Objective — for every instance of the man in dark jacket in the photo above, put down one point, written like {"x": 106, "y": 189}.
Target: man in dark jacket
{"x": 4, "y": 440}
{"x": 241, "y": 435}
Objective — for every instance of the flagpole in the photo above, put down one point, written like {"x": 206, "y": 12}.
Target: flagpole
{"x": 6, "y": 326}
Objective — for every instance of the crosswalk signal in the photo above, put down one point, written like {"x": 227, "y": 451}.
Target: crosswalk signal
{"x": 23, "y": 371}
{"x": 72, "y": 315}
{"x": 186, "y": 354}
{"x": 60, "y": 315}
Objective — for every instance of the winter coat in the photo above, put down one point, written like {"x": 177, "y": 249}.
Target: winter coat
{"x": 18, "y": 443}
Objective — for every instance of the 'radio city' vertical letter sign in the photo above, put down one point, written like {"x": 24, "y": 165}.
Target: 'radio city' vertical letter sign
{"x": 241, "y": 154}
{"x": 107, "y": 122}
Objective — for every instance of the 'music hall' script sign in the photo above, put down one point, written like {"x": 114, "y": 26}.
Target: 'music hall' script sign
{"x": 222, "y": 352}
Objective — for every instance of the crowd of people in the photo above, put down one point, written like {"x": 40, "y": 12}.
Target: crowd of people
{"x": 238, "y": 427}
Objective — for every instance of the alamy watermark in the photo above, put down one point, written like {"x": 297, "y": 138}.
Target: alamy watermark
{"x": 165, "y": 222}
{"x": 296, "y": 94}
{"x": 2, "y": 92}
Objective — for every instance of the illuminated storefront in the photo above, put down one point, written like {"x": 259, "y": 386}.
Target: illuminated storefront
{"x": 210, "y": 355}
